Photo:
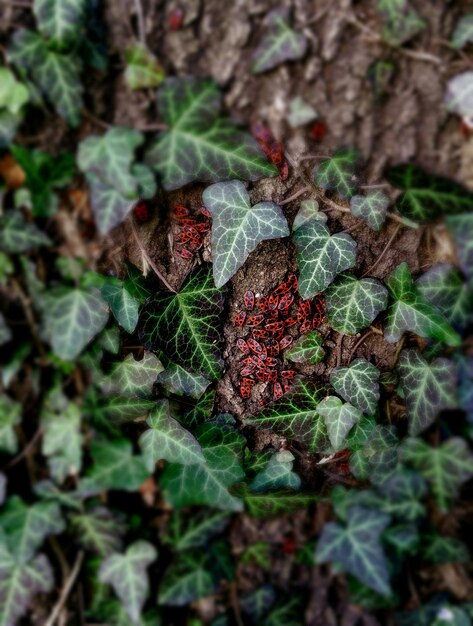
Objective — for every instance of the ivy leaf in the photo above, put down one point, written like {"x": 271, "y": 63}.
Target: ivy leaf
{"x": 444, "y": 287}
{"x": 10, "y": 416}
{"x": 177, "y": 381}
{"x": 371, "y": 208}
{"x": 72, "y": 318}
{"x": 429, "y": 388}
{"x": 353, "y": 304}
{"x": 9, "y": 123}
{"x": 142, "y": 68}
{"x": 237, "y": 227}
{"x": 279, "y": 44}
{"x": 295, "y": 416}
{"x": 402, "y": 22}
{"x": 181, "y": 586}
{"x": 459, "y": 95}
{"x": 271, "y": 504}
{"x": 339, "y": 419}
{"x": 18, "y": 236}
{"x": 321, "y": 256}
{"x": 377, "y": 456}
{"x": 440, "y": 549}
{"x": 463, "y": 32}
{"x": 403, "y": 491}
{"x": 338, "y": 173}
{"x": 412, "y": 312}
{"x": 300, "y": 113}
{"x": 199, "y": 144}
{"x": 167, "y": 439}
{"x": 98, "y": 530}
{"x": 445, "y": 467}
{"x": 133, "y": 378}
{"x": 187, "y": 325}
{"x": 278, "y": 474}
{"x": 122, "y": 304}
{"x": 357, "y": 546}
{"x": 128, "y": 577}
{"x": 109, "y": 207}
{"x": 307, "y": 349}
{"x": 425, "y": 195}
{"x": 461, "y": 228}
{"x": 13, "y": 94}
{"x": 309, "y": 210}
{"x": 194, "y": 532}
{"x": 358, "y": 384}
{"x": 60, "y": 20}
{"x": 258, "y": 603}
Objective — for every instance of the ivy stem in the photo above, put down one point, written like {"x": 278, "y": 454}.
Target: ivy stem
{"x": 295, "y": 195}
{"x": 66, "y": 590}
{"x": 26, "y": 450}
{"x": 147, "y": 258}
{"x": 141, "y": 22}
{"x": 358, "y": 344}
{"x": 386, "y": 248}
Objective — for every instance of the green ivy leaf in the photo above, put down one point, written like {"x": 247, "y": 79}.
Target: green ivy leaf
{"x": 186, "y": 532}
{"x": 309, "y": 210}
{"x": 72, "y": 318}
{"x": 278, "y": 474}
{"x": 461, "y": 228}
{"x": 403, "y": 538}
{"x": 377, "y": 457}
{"x": 353, "y": 304}
{"x": 307, "y": 349}
{"x": 133, "y": 378}
{"x": 271, "y": 504}
{"x": 338, "y": 173}
{"x": 445, "y": 468}
{"x": 256, "y": 604}
{"x": 403, "y": 491}
{"x": 18, "y": 236}
{"x": 300, "y": 113}
{"x": 179, "y": 382}
{"x": 280, "y": 43}
{"x": 463, "y": 32}
{"x": 459, "y": 95}
{"x": 10, "y": 416}
{"x": 187, "y": 325}
{"x": 98, "y": 530}
{"x": 142, "y": 68}
{"x": 295, "y": 416}
{"x": 13, "y": 94}
{"x": 402, "y": 23}
{"x": 237, "y": 227}
{"x": 122, "y": 304}
{"x": 371, "y": 208}
{"x": 200, "y": 145}
{"x": 181, "y": 586}
{"x": 440, "y": 549}
{"x": 60, "y": 20}
{"x": 167, "y": 439}
{"x": 410, "y": 311}
{"x": 357, "y": 546}
{"x": 321, "y": 256}
{"x": 128, "y": 577}
{"x": 444, "y": 287}
{"x": 9, "y": 123}
{"x": 339, "y": 419}
{"x": 429, "y": 388}
{"x": 425, "y": 196}
{"x": 358, "y": 384}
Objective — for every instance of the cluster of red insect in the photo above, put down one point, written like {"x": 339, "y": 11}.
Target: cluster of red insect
{"x": 176, "y": 19}
{"x": 269, "y": 334}
{"x": 272, "y": 149}
{"x": 192, "y": 231}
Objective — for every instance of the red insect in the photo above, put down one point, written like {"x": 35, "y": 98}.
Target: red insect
{"x": 271, "y": 147}
{"x": 288, "y": 374}
{"x": 286, "y": 301}
{"x": 305, "y": 326}
{"x": 272, "y": 376}
{"x": 289, "y": 546}
{"x": 254, "y": 320}
{"x": 287, "y": 385}
{"x": 263, "y": 355}
{"x": 239, "y": 319}
{"x": 293, "y": 282}
{"x": 184, "y": 253}
{"x": 205, "y": 212}
{"x": 181, "y": 211}
{"x": 254, "y": 346}
{"x": 246, "y": 371}
{"x": 282, "y": 289}
{"x": 285, "y": 342}
{"x": 245, "y": 390}
{"x": 243, "y": 346}
{"x": 317, "y": 320}
{"x": 318, "y": 130}
{"x": 278, "y": 391}
{"x": 263, "y": 303}
{"x": 202, "y": 227}
{"x": 304, "y": 307}
{"x": 273, "y": 302}
{"x": 274, "y": 326}
{"x": 176, "y": 19}
{"x": 290, "y": 321}
{"x": 249, "y": 300}
{"x": 262, "y": 374}
{"x": 248, "y": 381}
{"x": 186, "y": 221}
{"x": 141, "y": 211}
{"x": 273, "y": 347}
{"x": 271, "y": 362}
{"x": 260, "y": 333}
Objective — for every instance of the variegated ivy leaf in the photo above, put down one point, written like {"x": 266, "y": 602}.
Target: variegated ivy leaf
{"x": 321, "y": 256}
{"x": 199, "y": 144}
{"x": 122, "y": 304}
{"x": 257, "y": 604}
{"x": 440, "y": 549}
{"x": 461, "y": 228}
{"x": 357, "y": 546}
{"x": 445, "y": 467}
{"x": 18, "y": 236}
{"x": 10, "y": 416}
{"x": 377, "y": 457}
{"x": 425, "y": 196}
{"x": 403, "y": 28}
{"x": 133, "y": 378}
{"x": 308, "y": 211}
{"x": 459, "y": 95}
{"x": 13, "y": 94}
{"x": 300, "y": 113}
{"x": 295, "y": 416}
{"x": 179, "y": 382}
{"x": 307, "y": 349}
{"x": 403, "y": 491}
{"x": 371, "y": 208}
{"x": 410, "y": 311}
{"x": 72, "y": 318}
{"x": 403, "y": 538}
{"x": 338, "y": 173}
{"x": 60, "y": 20}
{"x": 181, "y": 586}
{"x": 237, "y": 227}
{"x": 444, "y": 287}
{"x": 167, "y": 439}
{"x": 9, "y": 123}
{"x": 271, "y": 504}
{"x": 339, "y": 419}
{"x": 429, "y": 388}
{"x": 142, "y": 68}
{"x": 278, "y": 474}
{"x": 280, "y": 43}
{"x": 358, "y": 384}
{"x": 56, "y": 74}
{"x": 463, "y": 32}
{"x": 98, "y": 530}
{"x": 185, "y": 532}
{"x": 128, "y": 576}
{"x": 353, "y": 304}
{"x": 109, "y": 206}
{"x": 187, "y": 325}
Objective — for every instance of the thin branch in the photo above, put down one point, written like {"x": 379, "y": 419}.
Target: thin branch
{"x": 147, "y": 258}
{"x": 386, "y": 248}
{"x": 295, "y": 195}
{"x": 339, "y": 348}
{"x": 358, "y": 344}
{"x": 66, "y": 590}
{"x": 26, "y": 450}
{"x": 28, "y": 311}
{"x": 141, "y": 22}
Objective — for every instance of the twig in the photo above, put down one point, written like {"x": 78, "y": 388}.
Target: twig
{"x": 235, "y": 603}
{"x": 386, "y": 248}
{"x": 96, "y": 120}
{"x": 141, "y": 22}
{"x": 398, "y": 351}
{"x": 66, "y": 590}
{"x": 339, "y": 348}
{"x": 148, "y": 259}
{"x": 25, "y": 450}
{"x": 28, "y": 311}
{"x": 295, "y": 195}
{"x": 149, "y": 128}
{"x": 358, "y": 344}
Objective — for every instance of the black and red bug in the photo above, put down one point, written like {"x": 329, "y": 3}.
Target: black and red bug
{"x": 274, "y": 326}
{"x": 245, "y": 390}
{"x": 286, "y": 301}
{"x": 202, "y": 227}
{"x": 248, "y": 381}
{"x": 273, "y": 302}
{"x": 254, "y": 320}
{"x": 285, "y": 342}
{"x": 254, "y": 346}
{"x": 292, "y": 282}
{"x": 305, "y": 326}
{"x": 272, "y": 376}
{"x": 263, "y": 355}
{"x": 318, "y": 130}
{"x": 290, "y": 321}
{"x": 142, "y": 211}
{"x": 176, "y": 19}
{"x": 260, "y": 333}
{"x": 184, "y": 253}
{"x": 277, "y": 391}
{"x": 205, "y": 212}
{"x": 246, "y": 371}
{"x": 263, "y": 303}
{"x": 282, "y": 289}
{"x": 305, "y": 307}
{"x": 273, "y": 347}
{"x": 317, "y": 320}
{"x": 270, "y": 361}
{"x": 287, "y": 385}
{"x": 243, "y": 346}
{"x": 249, "y": 300}
{"x": 288, "y": 374}
{"x": 186, "y": 221}
{"x": 180, "y": 210}
{"x": 262, "y": 374}
{"x": 239, "y": 319}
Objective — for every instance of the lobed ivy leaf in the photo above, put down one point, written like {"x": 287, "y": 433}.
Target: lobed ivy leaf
{"x": 440, "y": 549}
{"x": 321, "y": 256}
{"x": 280, "y": 43}
{"x": 13, "y": 94}
{"x": 133, "y": 378}
{"x": 142, "y": 68}
{"x": 182, "y": 586}
{"x": 357, "y": 546}
{"x": 377, "y": 457}
{"x": 256, "y": 604}
{"x": 307, "y": 349}
{"x": 353, "y": 304}
{"x": 60, "y": 20}
{"x": 179, "y": 382}
{"x": 429, "y": 388}
{"x": 295, "y": 416}
{"x": 425, "y": 195}
{"x": 72, "y": 318}
{"x": 278, "y": 474}
{"x": 463, "y": 32}
{"x": 444, "y": 287}
{"x": 338, "y": 173}
{"x": 271, "y": 504}
{"x": 410, "y": 311}
{"x": 461, "y": 229}
{"x": 403, "y": 491}
{"x": 309, "y": 210}
{"x": 358, "y": 384}
{"x": 199, "y": 144}
{"x": 128, "y": 577}
{"x": 237, "y": 227}
{"x": 10, "y": 416}
{"x": 339, "y": 419}
{"x": 122, "y": 304}
{"x": 187, "y": 325}
{"x": 445, "y": 467}
{"x": 404, "y": 539}
{"x": 98, "y": 530}
{"x": 18, "y": 236}
{"x": 371, "y": 208}
{"x": 194, "y": 532}
{"x": 167, "y": 439}
{"x": 9, "y": 123}
{"x": 459, "y": 95}
{"x": 300, "y": 112}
